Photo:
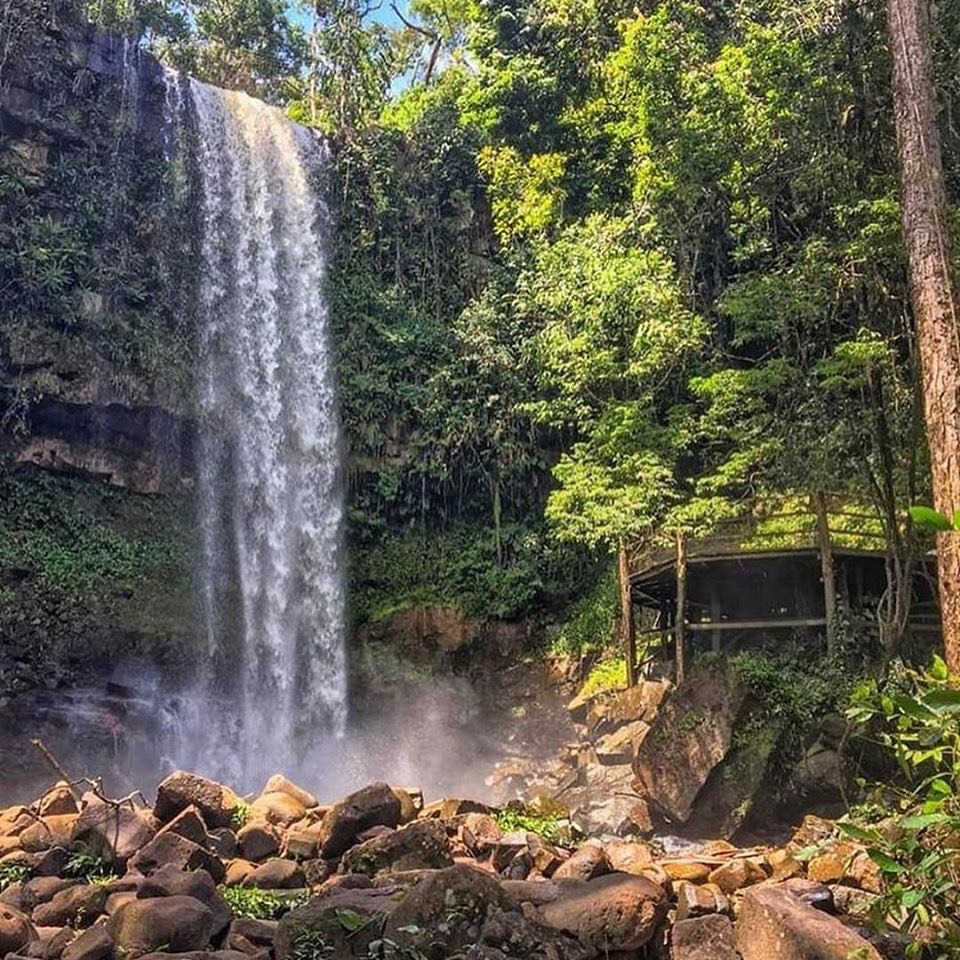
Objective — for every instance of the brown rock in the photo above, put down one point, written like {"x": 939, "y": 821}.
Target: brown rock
{"x": 55, "y": 945}
{"x": 277, "y": 808}
{"x": 217, "y": 804}
{"x": 92, "y": 944}
{"x": 52, "y": 831}
{"x": 168, "y": 849}
{"x": 42, "y": 889}
{"x": 774, "y": 924}
{"x": 827, "y": 868}
{"x": 113, "y": 832}
{"x": 223, "y": 842}
{"x": 418, "y": 846}
{"x": 176, "y": 924}
{"x": 703, "y": 938}
{"x": 375, "y": 804}
{"x": 737, "y": 874}
{"x": 72, "y": 907}
{"x": 276, "y": 874}
{"x": 116, "y": 900}
{"x": 169, "y": 881}
{"x": 620, "y": 745}
{"x": 588, "y": 861}
{"x": 621, "y": 816}
{"x": 260, "y": 933}
{"x": 480, "y": 833}
{"x": 698, "y": 901}
{"x": 628, "y": 856}
{"x": 690, "y": 736}
{"x": 320, "y": 920}
{"x": 188, "y": 824}
{"x": 451, "y": 807}
{"x": 301, "y": 844}
{"x": 614, "y": 912}
{"x": 691, "y": 870}
{"x": 237, "y": 871}
{"x": 258, "y": 841}
{"x": 409, "y": 809}
{"x": 536, "y": 892}
{"x": 16, "y": 930}
{"x": 861, "y": 871}
{"x": 280, "y": 784}
{"x": 58, "y": 800}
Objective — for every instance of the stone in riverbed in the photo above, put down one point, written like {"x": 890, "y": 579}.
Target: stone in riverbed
{"x": 258, "y": 841}
{"x": 588, "y": 861}
{"x": 92, "y": 944}
{"x": 16, "y": 930}
{"x": 613, "y": 912}
{"x": 420, "y": 845}
{"x": 278, "y": 808}
{"x": 276, "y": 874}
{"x": 170, "y": 881}
{"x": 58, "y": 800}
{"x": 278, "y": 783}
{"x": 52, "y": 831}
{"x": 373, "y": 805}
{"x": 320, "y": 919}
{"x": 775, "y": 924}
{"x": 217, "y": 804}
{"x": 189, "y": 824}
{"x": 703, "y": 938}
{"x": 73, "y": 906}
{"x": 112, "y": 832}
{"x": 737, "y": 874}
{"x": 175, "y": 924}
{"x": 170, "y": 849}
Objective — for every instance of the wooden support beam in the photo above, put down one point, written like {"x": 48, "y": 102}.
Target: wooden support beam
{"x": 827, "y": 573}
{"x": 756, "y": 624}
{"x": 627, "y": 626}
{"x": 681, "y": 616}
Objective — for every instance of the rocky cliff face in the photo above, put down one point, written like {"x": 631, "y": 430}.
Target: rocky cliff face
{"x": 95, "y": 435}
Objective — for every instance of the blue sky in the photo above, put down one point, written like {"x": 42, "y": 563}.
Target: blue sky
{"x": 383, "y": 15}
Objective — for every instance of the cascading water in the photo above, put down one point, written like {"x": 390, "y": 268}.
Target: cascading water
{"x": 269, "y": 499}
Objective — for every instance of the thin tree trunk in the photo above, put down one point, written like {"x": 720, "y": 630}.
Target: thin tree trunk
{"x": 923, "y": 212}
{"x": 627, "y": 626}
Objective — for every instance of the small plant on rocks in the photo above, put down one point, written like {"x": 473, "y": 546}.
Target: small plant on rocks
{"x": 253, "y": 904}
{"x": 12, "y": 873}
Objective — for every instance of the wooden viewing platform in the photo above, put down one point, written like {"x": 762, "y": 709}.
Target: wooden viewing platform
{"x": 789, "y": 563}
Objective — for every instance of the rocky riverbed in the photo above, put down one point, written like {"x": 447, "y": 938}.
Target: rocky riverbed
{"x": 206, "y": 874}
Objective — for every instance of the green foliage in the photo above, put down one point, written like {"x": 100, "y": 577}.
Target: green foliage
{"x": 550, "y": 826}
{"x": 606, "y": 675}
{"x": 85, "y": 866}
{"x": 12, "y": 873}
{"x": 589, "y": 623}
{"x": 65, "y": 532}
{"x": 240, "y": 815}
{"x": 916, "y": 717}
{"x": 931, "y": 521}
{"x": 254, "y": 904}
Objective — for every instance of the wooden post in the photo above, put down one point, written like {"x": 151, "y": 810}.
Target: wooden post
{"x": 627, "y": 626}
{"x": 681, "y": 615}
{"x": 715, "y": 612}
{"x": 827, "y": 573}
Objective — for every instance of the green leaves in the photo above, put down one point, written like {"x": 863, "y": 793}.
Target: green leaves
{"x": 929, "y": 520}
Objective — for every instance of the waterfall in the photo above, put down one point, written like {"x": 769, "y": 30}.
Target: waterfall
{"x": 270, "y": 507}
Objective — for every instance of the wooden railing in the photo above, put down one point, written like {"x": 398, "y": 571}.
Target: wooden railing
{"x": 770, "y": 525}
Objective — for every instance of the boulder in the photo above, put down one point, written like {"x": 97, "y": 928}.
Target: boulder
{"x": 775, "y": 924}
{"x": 170, "y": 881}
{"x": 174, "y": 924}
{"x": 703, "y": 938}
{"x": 259, "y": 933}
{"x": 320, "y": 920}
{"x": 508, "y": 848}
{"x": 54, "y": 946}
{"x": 223, "y": 842}
{"x": 698, "y": 901}
{"x": 237, "y": 871}
{"x": 610, "y": 913}
{"x": 690, "y": 735}
{"x": 420, "y": 845}
{"x": 276, "y": 874}
{"x": 621, "y": 745}
{"x": 55, "y": 830}
{"x": 217, "y": 804}
{"x": 691, "y": 870}
{"x": 188, "y": 823}
{"x": 479, "y": 832}
{"x": 258, "y": 841}
{"x": 628, "y": 857}
{"x": 409, "y": 806}
{"x": 58, "y": 800}
{"x": 588, "y": 861}
{"x": 278, "y": 783}
{"x": 373, "y": 805}
{"x": 16, "y": 930}
{"x": 113, "y": 832}
{"x": 517, "y": 935}
{"x": 301, "y": 844}
{"x": 92, "y": 944}
{"x": 277, "y": 808}
{"x": 619, "y": 816}
{"x": 170, "y": 849}
{"x": 72, "y": 907}
{"x": 737, "y": 874}
{"x": 42, "y": 889}
{"x": 448, "y": 906}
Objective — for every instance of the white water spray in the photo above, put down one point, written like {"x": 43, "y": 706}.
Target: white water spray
{"x": 270, "y": 503}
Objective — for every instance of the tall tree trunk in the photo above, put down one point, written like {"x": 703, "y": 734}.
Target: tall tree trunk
{"x": 923, "y": 210}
